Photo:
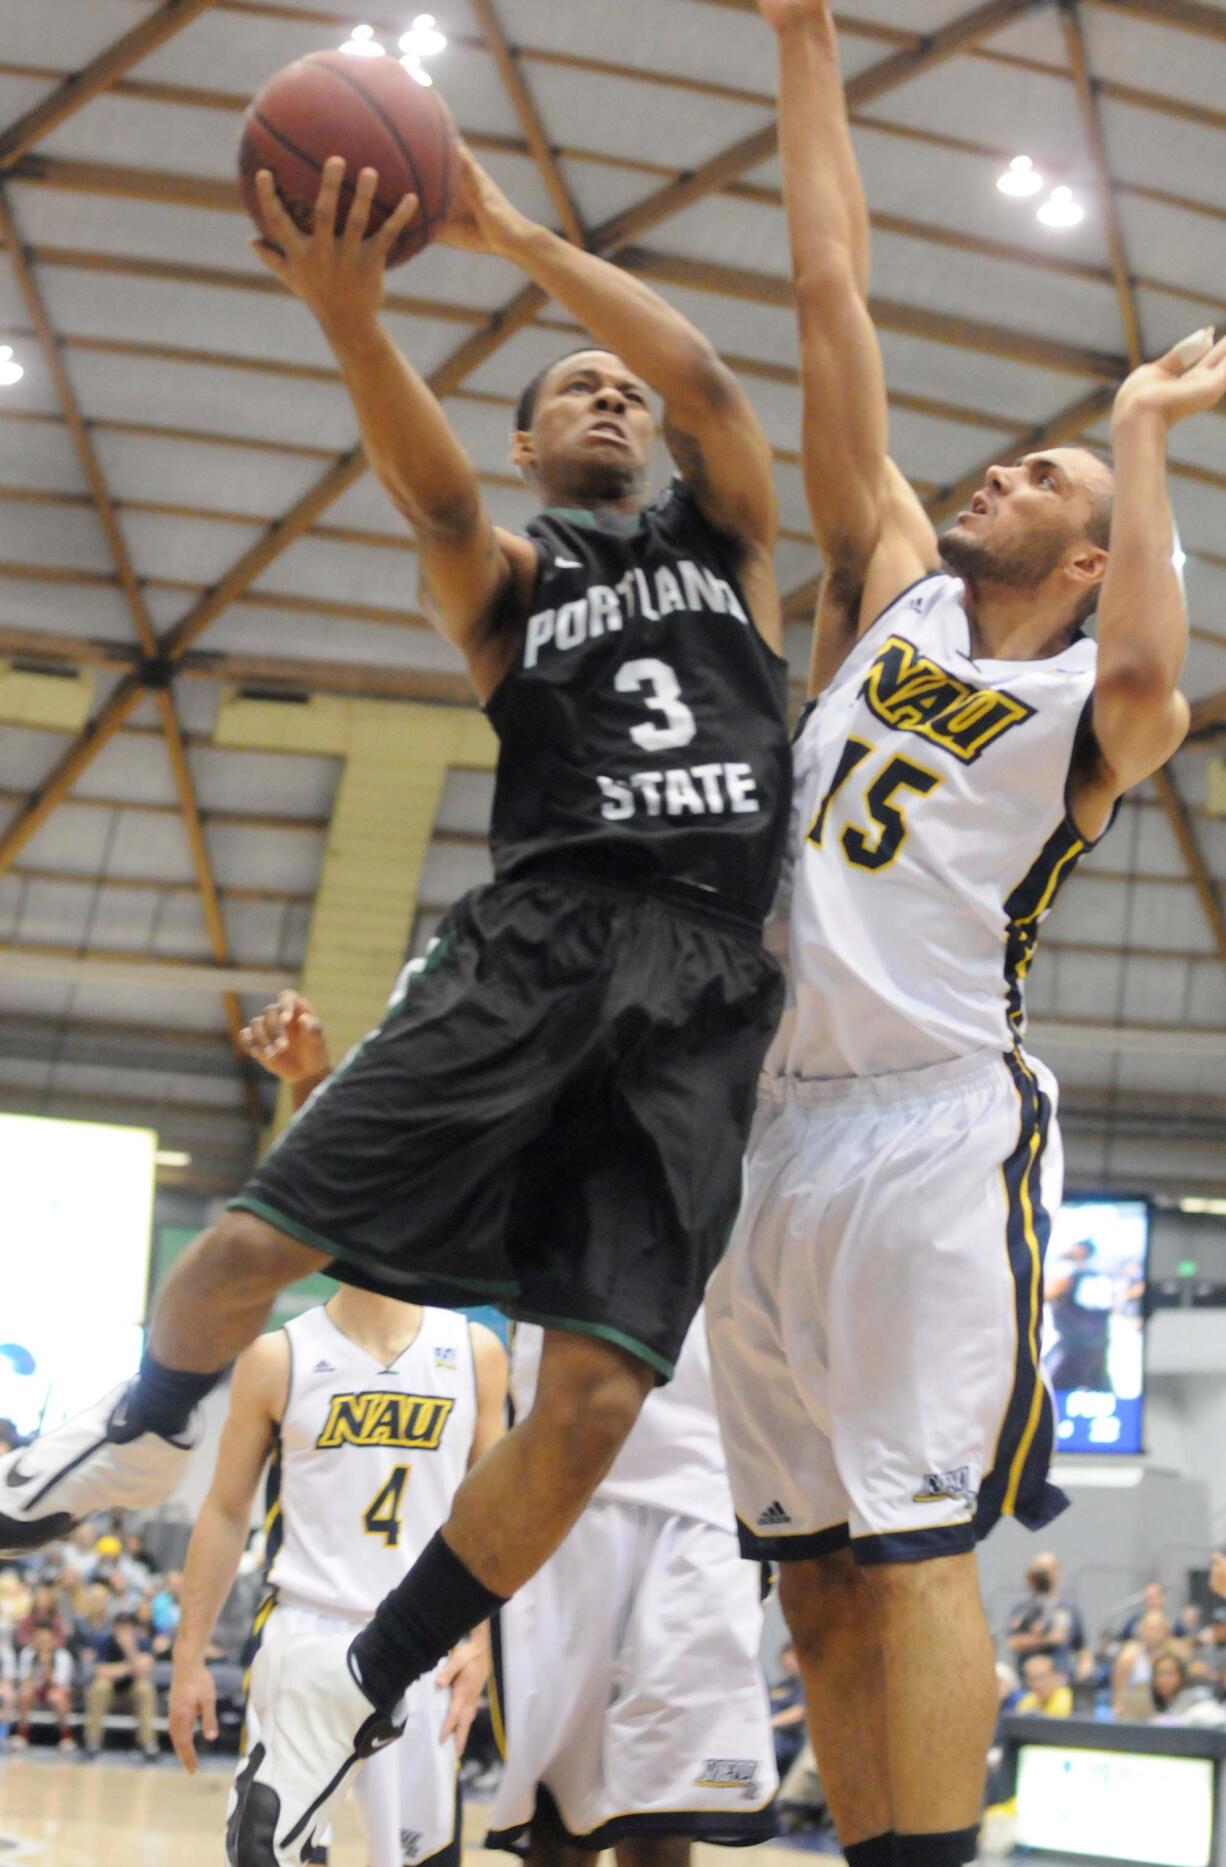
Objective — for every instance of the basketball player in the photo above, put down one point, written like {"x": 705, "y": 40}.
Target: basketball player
{"x": 875, "y": 1327}
{"x": 552, "y": 1118}
{"x": 371, "y": 1410}
{"x": 629, "y": 1687}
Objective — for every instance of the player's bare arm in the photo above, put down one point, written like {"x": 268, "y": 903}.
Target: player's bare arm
{"x": 258, "y": 1393}
{"x": 466, "y": 565}
{"x": 716, "y": 439}
{"x": 467, "y": 1668}
{"x": 1139, "y": 715}
{"x": 874, "y": 535}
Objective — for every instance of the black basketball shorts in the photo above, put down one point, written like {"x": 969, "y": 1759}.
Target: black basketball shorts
{"x": 550, "y": 1118}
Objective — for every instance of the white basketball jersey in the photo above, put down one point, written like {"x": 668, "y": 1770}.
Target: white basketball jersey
{"x": 674, "y": 1457}
{"x": 931, "y": 832}
{"x": 368, "y": 1460}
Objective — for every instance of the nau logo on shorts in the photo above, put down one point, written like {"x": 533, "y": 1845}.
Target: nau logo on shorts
{"x": 739, "y": 1773}
{"x": 412, "y": 1421}
{"x": 939, "y": 1487}
{"x": 914, "y": 694}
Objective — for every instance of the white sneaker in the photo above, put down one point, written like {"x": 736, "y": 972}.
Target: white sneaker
{"x": 93, "y": 1462}
{"x": 316, "y": 1723}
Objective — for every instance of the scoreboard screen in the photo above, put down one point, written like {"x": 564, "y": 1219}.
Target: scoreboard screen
{"x": 1094, "y": 1325}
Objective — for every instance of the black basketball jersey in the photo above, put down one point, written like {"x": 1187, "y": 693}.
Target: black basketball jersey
{"x": 643, "y": 728}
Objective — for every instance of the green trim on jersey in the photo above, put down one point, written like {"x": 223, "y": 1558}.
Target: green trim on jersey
{"x": 303, "y": 1233}
{"x": 617, "y": 1336}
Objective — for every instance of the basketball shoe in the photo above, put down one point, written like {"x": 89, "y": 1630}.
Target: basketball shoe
{"x": 100, "y": 1460}
{"x": 316, "y": 1724}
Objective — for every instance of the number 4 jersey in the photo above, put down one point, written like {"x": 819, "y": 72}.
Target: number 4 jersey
{"x": 643, "y": 727}
{"x": 367, "y": 1460}
{"x": 931, "y": 832}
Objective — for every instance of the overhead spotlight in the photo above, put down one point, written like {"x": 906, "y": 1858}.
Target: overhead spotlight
{"x": 171, "y": 1157}
{"x": 1021, "y": 178}
{"x": 1061, "y": 210}
{"x": 10, "y": 370}
{"x": 362, "y": 43}
{"x": 422, "y": 40}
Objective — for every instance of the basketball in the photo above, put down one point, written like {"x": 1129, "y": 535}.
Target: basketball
{"x": 372, "y": 112}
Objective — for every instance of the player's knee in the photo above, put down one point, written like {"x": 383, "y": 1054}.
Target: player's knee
{"x": 252, "y": 1259}
{"x": 821, "y": 1596}
{"x": 589, "y": 1397}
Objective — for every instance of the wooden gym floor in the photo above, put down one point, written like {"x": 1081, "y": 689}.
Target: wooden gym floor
{"x": 73, "y": 1814}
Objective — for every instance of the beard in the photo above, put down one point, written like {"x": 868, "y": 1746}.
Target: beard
{"x": 1024, "y": 565}
{"x": 584, "y": 480}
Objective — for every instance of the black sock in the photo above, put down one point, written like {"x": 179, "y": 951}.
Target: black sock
{"x": 879, "y": 1852}
{"x": 439, "y": 1601}
{"x": 164, "y": 1399}
{"x": 953, "y": 1849}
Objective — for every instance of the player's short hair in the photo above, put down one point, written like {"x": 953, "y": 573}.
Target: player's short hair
{"x": 529, "y": 395}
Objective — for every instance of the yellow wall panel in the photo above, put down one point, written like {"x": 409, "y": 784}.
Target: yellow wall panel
{"x": 60, "y": 702}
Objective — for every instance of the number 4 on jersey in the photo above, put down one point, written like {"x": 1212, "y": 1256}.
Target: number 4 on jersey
{"x": 900, "y": 774}
{"x": 382, "y": 1515}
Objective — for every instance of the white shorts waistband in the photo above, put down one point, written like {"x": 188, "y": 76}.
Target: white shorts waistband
{"x": 935, "y": 1082}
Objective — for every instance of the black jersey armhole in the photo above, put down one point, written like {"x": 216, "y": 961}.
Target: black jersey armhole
{"x": 1085, "y": 741}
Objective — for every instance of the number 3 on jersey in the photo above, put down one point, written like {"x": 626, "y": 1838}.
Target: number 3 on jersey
{"x": 665, "y": 698}
{"x": 382, "y": 1515}
{"x": 899, "y": 774}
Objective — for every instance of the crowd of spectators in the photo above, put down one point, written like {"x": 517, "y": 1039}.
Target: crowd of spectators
{"x": 1154, "y": 1662}
{"x": 87, "y": 1629}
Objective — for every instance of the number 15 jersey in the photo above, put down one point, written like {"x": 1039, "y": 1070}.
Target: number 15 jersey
{"x": 643, "y": 727}
{"x": 930, "y": 834}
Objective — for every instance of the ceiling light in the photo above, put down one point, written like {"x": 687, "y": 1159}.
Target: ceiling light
{"x": 10, "y": 370}
{"x": 362, "y": 43}
{"x": 1215, "y": 1207}
{"x": 171, "y": 1157}
{"x": 422, "y": 40}
{"x": 1061, "y": 210}
{"x": 1020, "y": 178}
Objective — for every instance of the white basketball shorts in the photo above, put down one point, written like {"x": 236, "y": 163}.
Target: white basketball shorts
{"x": 875, "y": 1324}
{"x": 407, "y": 1795}
{"x": 630, "y": 1689}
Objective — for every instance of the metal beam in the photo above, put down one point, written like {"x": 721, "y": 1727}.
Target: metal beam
{"x": 1091, "y": 123}
{"x": 1184, "y": 831}
{"x": 68, "y": 968}
{"x": 79, "y": 87}
{"x": 524, "y": 105}
{"x": 1178, "y": 1040}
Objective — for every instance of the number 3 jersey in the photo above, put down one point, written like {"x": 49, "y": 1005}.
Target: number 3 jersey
{"x": 931, "y": 832}
{"x": 367, "y": 1460}
{"x": 643, "y": 727}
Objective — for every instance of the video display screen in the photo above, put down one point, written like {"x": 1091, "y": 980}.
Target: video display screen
{"x": 76, "y": 1204}
{"x": 1093, "y": 1323}
{"x": 1116, "y": 1805}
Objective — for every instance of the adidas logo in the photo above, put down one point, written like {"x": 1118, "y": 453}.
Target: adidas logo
{"x": 323, "y": 1367}
{"x": 772, "y": 1515}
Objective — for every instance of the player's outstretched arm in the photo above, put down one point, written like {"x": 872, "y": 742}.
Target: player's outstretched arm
{"x": 874, "y": 536}
{"x": 712, "y": 431}
{"x": 258, "y": 1393}
{"x": 465, "y": 564}
{"x": 1139, "y": 715}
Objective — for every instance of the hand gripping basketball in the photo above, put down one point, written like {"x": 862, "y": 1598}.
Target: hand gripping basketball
{"x": 339, "y": 276}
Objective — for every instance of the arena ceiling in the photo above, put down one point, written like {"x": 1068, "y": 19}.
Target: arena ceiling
{"x": 184, "y": 515}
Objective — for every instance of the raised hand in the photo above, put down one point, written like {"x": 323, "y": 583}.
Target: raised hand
{"x": 481, "y": 220}
{"x": 287, "y": 1040}
{"x": 338, "y": 276}
{"x": 1188, "y": 380}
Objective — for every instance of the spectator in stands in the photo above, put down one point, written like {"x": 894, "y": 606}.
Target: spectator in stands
{"x": 1217, "y": 1573}
{"x": 44, "y": 1612}
{"x": 136, "y": 1562}
{"x": 124, "y": 1597}
{"x": 165, "y": 1607}
{"x": 1132, "y": 1673}
{"x": 93, "y": 1627}
{"x": 8, "y": 1688}
{"x": 1048, "y": 1694}
{"x": 1046, "y": 1623}
{"x": 124, "y": 1671}
{"x": 787, "y": 1698}
{"x": 15, "y": 1598}
{"x": 44, "y": 1678}
{"x": 84, "y": 1556}
{"x": 10, "y": 1438}
{"x": 1178, "y": 1697}
{"x": 1153, "y": 1601}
